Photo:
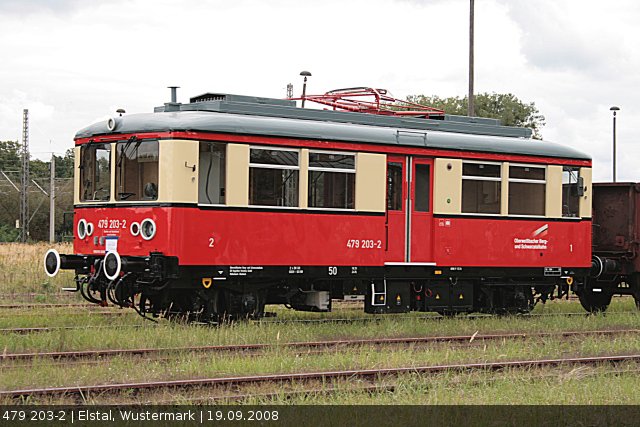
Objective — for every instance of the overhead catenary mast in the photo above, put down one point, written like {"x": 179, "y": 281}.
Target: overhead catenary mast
{"x": 471, "y": 104}
{"x": 52, "y": 201}
{"x": 24, "y": 188}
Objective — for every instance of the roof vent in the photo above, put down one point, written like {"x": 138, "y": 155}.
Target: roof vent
{"x": 206, "y": 97}
{"x": 174, "y": 94}
{"x": 174, "y": 105}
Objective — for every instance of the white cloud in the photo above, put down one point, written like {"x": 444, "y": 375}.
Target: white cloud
{"x": 72, "y": 61}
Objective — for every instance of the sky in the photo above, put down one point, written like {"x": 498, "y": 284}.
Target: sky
{"x": 74, "y": 62}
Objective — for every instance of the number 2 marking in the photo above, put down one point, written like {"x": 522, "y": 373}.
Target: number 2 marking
{"x": 211, "y": 242}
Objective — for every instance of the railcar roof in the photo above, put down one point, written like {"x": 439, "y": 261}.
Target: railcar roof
{"x": 287, "y": 121}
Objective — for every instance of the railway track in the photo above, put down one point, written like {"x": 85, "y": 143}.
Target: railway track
{"x": 84, "y": 391}
{"x": 240, "y": 397}
{"x": 378, "y": 318}
{"x": 311, "y": 344}
{"x": 370, "y": 318}
{"x": 43, "y": 305}
{"x": 89, "y": 312}
{"x": 36, "y": 329}
{"x": 369, "y": 389}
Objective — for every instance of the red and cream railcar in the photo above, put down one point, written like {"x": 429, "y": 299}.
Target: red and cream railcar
{"x": 227, "y": 203}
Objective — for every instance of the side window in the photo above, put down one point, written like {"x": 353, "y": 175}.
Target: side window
{"x": 422, "y": 188}
{"x": 527, "y": 190}
{"x": 570, "y": 196}
{"x": 481, "y": 188}
{"x": 332, "y": 180}
{"x": 273, "y": 177}
{"x": 95, "y": 172}
{"x": 212, "y": 173}
{"x": 137, "y": 170}
{"x": 395, "y": 183}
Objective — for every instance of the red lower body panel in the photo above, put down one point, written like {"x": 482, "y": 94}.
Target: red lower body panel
{"x": 262, "y": 238}
{"x": 484, "y": 242}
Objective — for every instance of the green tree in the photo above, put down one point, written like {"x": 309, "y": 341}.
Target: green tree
{"x": 11, "y": 163}
{"x": 64, "y": 164}
{"x": 10, "y": 156}
{"x": 506, "y": 107}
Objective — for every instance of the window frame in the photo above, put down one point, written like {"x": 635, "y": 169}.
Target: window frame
{"x": 204, "y": 141}
{"x": 402, "y": 198}
{"x": 529, "y": 181}
{"x": 577, "y": 169}
{"x": 269, "y": 166}
{"x": 83, "y": 148}
{"x": 481, "y": 178}
{"x": 115, "y": 171}
{"x": 334, "y": 170}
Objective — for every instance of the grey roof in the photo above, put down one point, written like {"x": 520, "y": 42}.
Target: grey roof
{"x": 331, "y": 130}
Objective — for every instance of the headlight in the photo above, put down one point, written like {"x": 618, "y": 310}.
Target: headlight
{"x": 134, "y": 228}
{"x": 89, "y": 228}
{"x": 147, "y": 229}
{"x": 52, "y": 262}
{"x": 112, "y": 265}
{"x": 82, "y": 229}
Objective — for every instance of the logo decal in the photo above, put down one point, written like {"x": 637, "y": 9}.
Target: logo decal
{"x": 534, "y": 242}
{"x": 542, "y": 231}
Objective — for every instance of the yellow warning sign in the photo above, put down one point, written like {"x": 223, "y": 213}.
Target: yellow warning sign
{"x": 437, "y": 296}
{"x": 461, "y": 296}
{"x": 206, "y": 282}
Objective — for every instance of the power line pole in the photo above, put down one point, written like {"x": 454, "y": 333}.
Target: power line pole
{"x": 24, "y": 194}
{"x": 52, "y": 201}
{"x": 471, "y": 110}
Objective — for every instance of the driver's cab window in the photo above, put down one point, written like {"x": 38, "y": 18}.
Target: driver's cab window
{"x": 570, "y": 191}
{"x": 137, "y": 170}
{"x": 95, "y": 172}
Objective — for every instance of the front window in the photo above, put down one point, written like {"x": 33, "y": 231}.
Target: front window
{"x": 273, "y": 177}
{"x": 95, "y": 172}
{"x": 570, "y": 196}
{"x": 137, "y": 170}
{"x": 527, "y": 190}
{"x": 332, "y": 180}
{"x": 481, "y": 188}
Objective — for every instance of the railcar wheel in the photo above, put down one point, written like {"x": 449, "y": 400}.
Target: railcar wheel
{"x": 595, "y": 302}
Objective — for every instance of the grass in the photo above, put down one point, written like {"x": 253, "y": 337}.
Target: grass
{"x": 22, "y": 270}
{"x": 280, "y": 360}
{"x": 563, "y": 386}
{"x": 130, "y": 331}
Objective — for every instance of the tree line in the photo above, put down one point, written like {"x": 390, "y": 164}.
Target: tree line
{"x": 506, "y": 107}
{"x": 40, "y": 173}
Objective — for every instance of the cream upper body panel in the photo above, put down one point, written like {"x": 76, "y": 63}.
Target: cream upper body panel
{"x": 371, "y": 177}
{"x": 586, "y": 199}
{"x": 178, "y": 177}
{"x": 447, "y": 193}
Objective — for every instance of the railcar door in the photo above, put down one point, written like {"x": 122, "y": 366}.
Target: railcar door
{"x": 420, "y": 241}
{"x": 396, "y": 214}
